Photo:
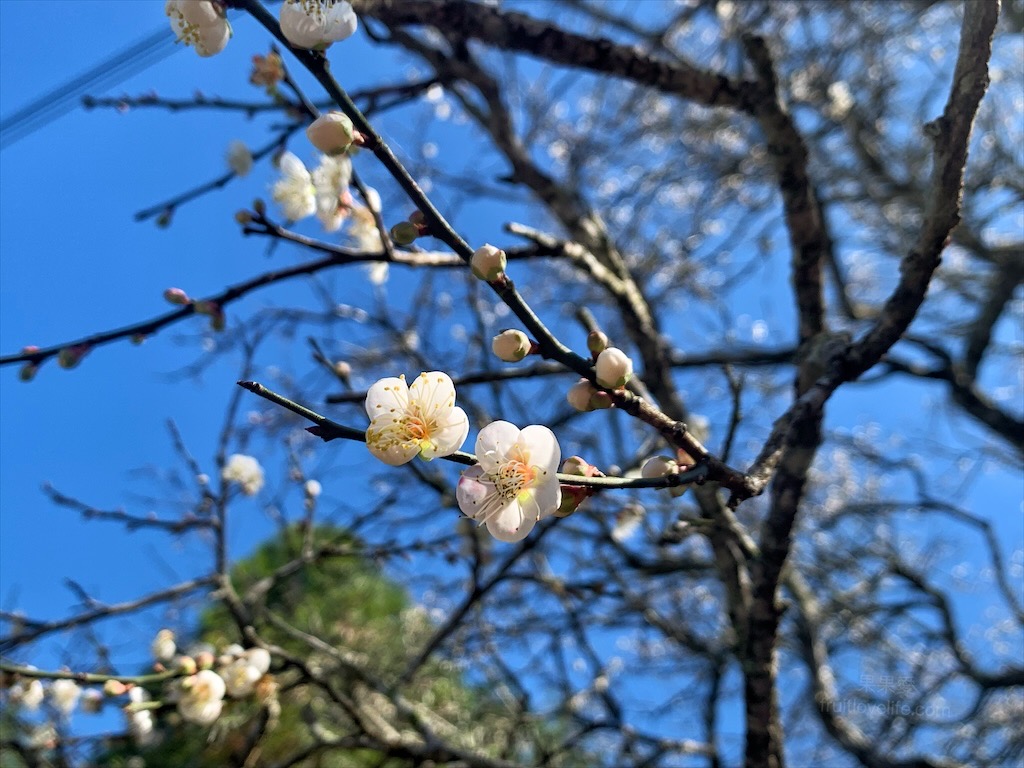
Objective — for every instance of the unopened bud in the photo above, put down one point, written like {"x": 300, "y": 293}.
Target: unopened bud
{"x": 343, "y": 370}
{"x": 511, "y": 345}
{"x": 69, "y": 357}
{"x": 613, "y": 368}
{"x": 488, "y": 263}
{"x": 579, "y": 395}
{"x": 206, "y": 307}
{"x": 659, "y": 466}
{"x": 572, "y": 497}
{"x": 164, "y": 219}
{"x": 418, "y": 218}
{"x": 597, "y": 342}
{"x": 404, "y": 233}
{"x": 114, "y": 688}
{"x": 176, "y": 296}
{"x": 259, "y": 207}
{"x": 205, "y": 659}
{"x": 243, "y": 217}
{"x": 137, "y": 338}
{"x": 576, "y": 465}
{"x": 601, "y": 400}
{"x": 332, "y": 133}
{"x": 28, "y": 372}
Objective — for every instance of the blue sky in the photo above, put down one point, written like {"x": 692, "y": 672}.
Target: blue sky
{"x": 74, "y": 262}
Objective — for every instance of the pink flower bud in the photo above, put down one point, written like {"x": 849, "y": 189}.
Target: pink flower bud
{"x": 331, "y": 133}
{"x": 511, "y": 345}
{"x": 613, "y": 368}
{"x": 176, "y": 296}
{"x": 488, "y": 263}
{"x": 115, "y": 688}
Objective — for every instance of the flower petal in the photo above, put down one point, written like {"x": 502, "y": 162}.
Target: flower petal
{"x": 539, "y": 443}
{"x": 290, "y": 165}
{"x": 510, "y": 524}
{"x": 547, "y": 496}
{"x": 390, "y": 395}
{"x": 471, "y": 493}
{"x": 390, "y": 452}
{"x": 494, "y": 442}
{"x": 434, "y": 391}
{"x": 452, "y": 434}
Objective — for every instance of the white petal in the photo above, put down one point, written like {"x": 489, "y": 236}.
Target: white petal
{"x": 471, "y": 493}
{"x": 539, "y": 443}
{"x": 510, "y": 524}
{"x": 434, "y": 391}
{"x": 213, "y": 38}
{"x": 395, "y": 454}
{"x": 494, "y": 442}
{"x": 390, "y": 395}
{"x": 451, "y": 437}
{"x": 341, "y": 22}
{"x": 291, "y": 166}
{"x": 547, "y": 496}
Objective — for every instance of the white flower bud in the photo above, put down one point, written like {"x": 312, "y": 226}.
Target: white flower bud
{"x": 313, "y": 488}
{"x": 511, "y": 345}
{"x": 613, "y": 368}
{"x": 579, "y": 395}
{"x": 488, "y": 263}
{"x": 331, "y": 133}
{"x": 659, "y": 466}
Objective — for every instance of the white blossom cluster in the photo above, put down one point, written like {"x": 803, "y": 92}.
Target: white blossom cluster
{"x": 195, "y": 685}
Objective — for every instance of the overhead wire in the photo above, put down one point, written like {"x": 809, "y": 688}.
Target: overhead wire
{"x": 107, "y": 73}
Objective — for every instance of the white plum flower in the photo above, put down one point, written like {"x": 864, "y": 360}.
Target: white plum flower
{"x": 29, "y": 696}
{"x": 514, "y": 485}
{"x": 333, "y": 199}
{"x": 65, "y": 694}
{"x": 240, "y": 678}
{"x": 315, "y": 24}
{"x": 199, "y": 23}
{"x": 202, "y": 697}
{"x": 294, "y": 191}
{"x": 140, "y": 726}
{"x": 163, "y": 647}
{"x": 419, "y": 419}
{"x": 245, "y": 471}
{"x": 239, "y": 158}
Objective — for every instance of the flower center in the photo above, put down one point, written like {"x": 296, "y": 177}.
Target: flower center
{"x": 513, "y": 478}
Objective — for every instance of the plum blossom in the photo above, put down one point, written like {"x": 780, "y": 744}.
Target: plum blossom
{"x": 294, "y": 191}
{"x": 202, "y": 697}
{"x": 333, "y": 199}
{"x": 244, "y": 671}
{"x": 30, "y": 695}
{"x": 515, "y": 482}
{"x": 315, "y": 24}
{"x": 245, "y": 471}
{"x": 199, "y": 23}
{"x": 419, "y": 419}
{"x": 65, "y": 695}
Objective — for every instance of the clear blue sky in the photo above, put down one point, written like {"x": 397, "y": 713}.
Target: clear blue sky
{"x": 74, "y": 262}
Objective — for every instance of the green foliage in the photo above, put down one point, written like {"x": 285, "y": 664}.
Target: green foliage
{"x": 340, "y": 597}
